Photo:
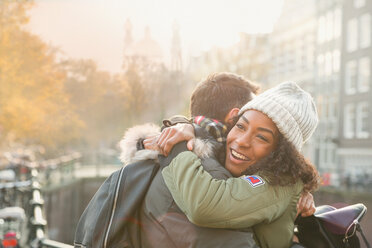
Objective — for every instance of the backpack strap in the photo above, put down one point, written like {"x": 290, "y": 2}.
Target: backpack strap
{"x": 359, "y": 229}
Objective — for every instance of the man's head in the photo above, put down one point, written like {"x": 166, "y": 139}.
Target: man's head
{"x": 220, "y": 93}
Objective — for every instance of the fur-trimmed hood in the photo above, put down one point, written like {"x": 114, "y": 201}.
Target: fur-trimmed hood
{"x": 128, "y": 145}
{"x": 130, "y": 153}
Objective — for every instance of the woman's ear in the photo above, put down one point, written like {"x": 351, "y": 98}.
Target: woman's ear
{"x": 229, "y": 118}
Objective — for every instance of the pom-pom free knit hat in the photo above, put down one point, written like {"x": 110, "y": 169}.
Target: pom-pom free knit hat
{"x": 292, "y": 110}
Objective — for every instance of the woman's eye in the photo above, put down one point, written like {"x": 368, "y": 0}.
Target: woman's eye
{"x": 263, "y": 138}
{"x": 240, "y": 126}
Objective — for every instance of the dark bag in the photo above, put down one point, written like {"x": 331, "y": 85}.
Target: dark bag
{"x": 332, "y": 228}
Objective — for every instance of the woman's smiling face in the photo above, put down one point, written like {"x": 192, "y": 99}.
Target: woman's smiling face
{"x": 252, "y": 138}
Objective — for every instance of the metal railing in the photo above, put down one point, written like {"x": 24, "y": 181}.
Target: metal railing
{"x": 27, "y": 194}
{"x": 47, "y": 243}
{"x": 60, "y": 170}
{"x": 37, "y": 223}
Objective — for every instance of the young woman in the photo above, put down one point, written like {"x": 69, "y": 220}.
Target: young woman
{"x": 264, "y": 146}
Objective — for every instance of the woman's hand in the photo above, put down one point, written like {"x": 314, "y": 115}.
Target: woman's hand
{"x": 175, "y": 134}
{"x": 150, "y": 143}
{"x": 305, "y": 205}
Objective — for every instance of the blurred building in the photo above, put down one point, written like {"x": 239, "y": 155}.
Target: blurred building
{"x": 327, "y": 85}
{"x": 248, "y": 57}
{"x": 355, "y": 117}
{"x": 145, "y": 51}
{"x": 292, "y": 50}
{"x": 176, "y": 51}
{"x": 252, "y": 56}
{"x": 148, "y": 52}
{"x": 325, "y": 46}
{"x": 148, "y": 47}
{"x": 292, "y": 44}
{"x": 128, "y": 39}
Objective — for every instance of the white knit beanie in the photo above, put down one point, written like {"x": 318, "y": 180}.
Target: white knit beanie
{"x": 290, "y": 108}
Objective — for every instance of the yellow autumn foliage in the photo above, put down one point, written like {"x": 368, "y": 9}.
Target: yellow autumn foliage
{"x": 33, "y": 105}
{"x": 71, "y": 103}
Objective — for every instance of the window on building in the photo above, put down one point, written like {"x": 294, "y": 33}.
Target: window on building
{"x": 321, "y": 29}
{"x": 365, "y": 31}
{"x": 336, "y": 60}
{"x": 362, "y": 131}
{"x": 330, "y": 153}
{"x": 337, "y": 23}
{"x": 332, "y": 107}
{"x": 359, "y": 3}
{"x": 349, "y": 121}
{"x": 326, "y": 154}
{"x": 333, "y": 154}
{"x": 309, "y": 53}
{"x": 325, "y": 108}
{"x": 320, "y": 62}
{"x": 350, "y": 77}
{"x": 352, "y": 35}
{"x": 322, "y": 151}
{"x": 328, "y": 64}
{"x": 364, "y": 74}
{"x": 319, "y": 105}
{"x": 337, "y": 109}
{"x": 299, "y": 51}
{"x": 329, "y": 26}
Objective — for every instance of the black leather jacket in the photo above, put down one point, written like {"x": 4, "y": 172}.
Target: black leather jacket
{"x": 106, "y": 221}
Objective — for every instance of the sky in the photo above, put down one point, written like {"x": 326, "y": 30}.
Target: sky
{"x": 94, "y": 29}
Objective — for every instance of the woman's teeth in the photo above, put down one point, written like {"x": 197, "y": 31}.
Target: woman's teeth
{"x": 238, "y": 155}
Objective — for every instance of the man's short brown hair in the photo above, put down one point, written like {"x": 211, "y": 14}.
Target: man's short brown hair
{"x": 219, "y": 93}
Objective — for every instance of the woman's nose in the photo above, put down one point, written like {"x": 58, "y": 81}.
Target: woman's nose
{"x": 245, "y": 140}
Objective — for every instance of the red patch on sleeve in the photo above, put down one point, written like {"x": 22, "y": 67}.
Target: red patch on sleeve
{"x": 254, "y": 181}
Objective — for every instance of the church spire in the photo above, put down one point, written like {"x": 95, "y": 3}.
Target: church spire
{"x": 176, "y": 53}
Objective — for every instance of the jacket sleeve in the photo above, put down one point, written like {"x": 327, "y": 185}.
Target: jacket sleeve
{"x": 95, "y": 217}
{"x": 231, "y": 203}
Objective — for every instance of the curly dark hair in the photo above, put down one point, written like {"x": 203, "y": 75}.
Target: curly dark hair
{"x": 285, "y": 165}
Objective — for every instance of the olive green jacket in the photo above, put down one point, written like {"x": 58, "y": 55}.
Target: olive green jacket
{"x": 233, "y": 203}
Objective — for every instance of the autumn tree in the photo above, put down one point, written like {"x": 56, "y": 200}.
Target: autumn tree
{"x": 33, "y": 105}
{"x": 96, "y": 96}
{"x": 135, "y": 96}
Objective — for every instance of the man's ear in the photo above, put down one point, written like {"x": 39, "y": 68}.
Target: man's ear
{"x": 229, "y": 118}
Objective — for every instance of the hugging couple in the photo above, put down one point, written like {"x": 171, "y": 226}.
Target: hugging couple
{"x": 231, "y": 176}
